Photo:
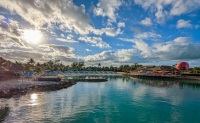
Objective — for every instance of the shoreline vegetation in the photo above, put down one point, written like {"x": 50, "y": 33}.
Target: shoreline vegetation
{"x": 21, "y": 78}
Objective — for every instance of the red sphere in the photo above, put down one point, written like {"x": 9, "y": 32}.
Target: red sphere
{"x": 182, "y": 66}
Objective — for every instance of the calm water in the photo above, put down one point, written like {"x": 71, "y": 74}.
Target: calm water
{"x": 118, "y": 100}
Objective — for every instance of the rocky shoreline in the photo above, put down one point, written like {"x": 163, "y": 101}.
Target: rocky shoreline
{"x": 35, "y": 88}
{"x": 56, "y": 85}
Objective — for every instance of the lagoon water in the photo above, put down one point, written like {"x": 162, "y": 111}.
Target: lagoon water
{"x": 118, "y": 100}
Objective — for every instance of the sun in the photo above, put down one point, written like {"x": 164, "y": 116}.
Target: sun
{"x": 34, "y": 96}
{"x": 32, "y": 36}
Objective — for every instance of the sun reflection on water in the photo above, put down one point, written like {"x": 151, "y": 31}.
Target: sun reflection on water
{"x": 34, "y": 99}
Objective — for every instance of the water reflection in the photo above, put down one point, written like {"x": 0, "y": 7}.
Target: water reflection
{"x": 3, "y": 113}
{"x": 118, "y": 100}
{"x": 34, "y": 99}
{"x": 168, "y": 83}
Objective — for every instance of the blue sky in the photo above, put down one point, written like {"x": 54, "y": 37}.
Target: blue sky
{"x": 152, "y": 32}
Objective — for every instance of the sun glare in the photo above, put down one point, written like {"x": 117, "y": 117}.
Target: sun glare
{"x": 34, "y": 99}
{"x": 34, "y": 96}
{"x": 32, "y": 36}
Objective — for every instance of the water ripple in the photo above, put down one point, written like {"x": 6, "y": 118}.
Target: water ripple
{"x": 118, "y": 100}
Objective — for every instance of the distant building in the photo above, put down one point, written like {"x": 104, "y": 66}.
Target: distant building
{"x": 156, "y": 70}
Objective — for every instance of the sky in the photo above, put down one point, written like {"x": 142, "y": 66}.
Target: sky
{"x": 110, "y": 32}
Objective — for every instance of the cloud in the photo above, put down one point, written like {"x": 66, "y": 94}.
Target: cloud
{"x": 66, "y": 40}
{"x": 177, "y": 49}
{"x": 108, "y": 31}
{"x": 94, "y": 41}
{"x": 164, "y": 9}
{"x": 184, "y": 6}
{"x": 104, "y": 56}
{"x": 62, "y": 15}
{"x": 39, "y": 13}
{"x": 43, "y": 52}
{"x": 143, "y": 47}
{"x": 111, "y": 32}
{"x": 183, "y": 24}
{"x": 88, "y": 50}
{"x": 181, "y": 48}
{"x": 22, "y": 55}
{"x": 9, "y": 42}
{"x": 143, "y": 36}
{"x": 10, "y": 30}
{"x": 146, "y": 22}
{"x": 147, "y": 35}
{"x": 115, "y": 57}
{"x": 56, "y": 50}
{"x": 121, "y": 24}
{"x": 107, "y": 8}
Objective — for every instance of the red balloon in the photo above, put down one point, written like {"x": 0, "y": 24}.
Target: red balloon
{"x": 182, "y": 66}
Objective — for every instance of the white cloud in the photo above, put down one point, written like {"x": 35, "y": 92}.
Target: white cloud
{"x": 70, "y": 37}
{"x": 104, "y": 56}
{"x": 122, "y": 56}
{"x": 94, "y": 41}
{"x": 183, "y": 40}
{"x": 41, "y": 12}
{"x": 10, "y": 30}
{"x": 164, "y": 9}
{"x": 120, "y": 44}
{"x": 125, "y": 55}
{"x": 62, "y": 13}
{"x": 22, "y": 56}
{"x": 88, "y": 50}
{"x": 184, "y": 6}
{"x": 66, "y": 40}
{"x": 111, "y": 31}
{"x": 180, "y": 48}
{"x": 108, "y": 8}
{"x": 43, "y": 52}
{"x": 143, "y": 36}
{"x": 146, "y": 22}
{"x": 143, "y": 47}
{"x": 121, "y": 24}
{"x": 61, "y": 52}
{"x": 108, "y": 31}
{"x": 148, "y": 35}
{"x": 183, "y": 24}
{"x": 62, "y": 35}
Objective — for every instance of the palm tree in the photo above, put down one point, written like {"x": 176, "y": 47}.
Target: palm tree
{"x": 80, "y": 65}
{"x": 99, "y": 65}
{"x": 31, "y": 61}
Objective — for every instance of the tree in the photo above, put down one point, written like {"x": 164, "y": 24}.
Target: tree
{"x": 74, "y": 65}
{"x": 31, "y": 61}
{"x": 80, "y": 65}
{"x": 99, "y": 65}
